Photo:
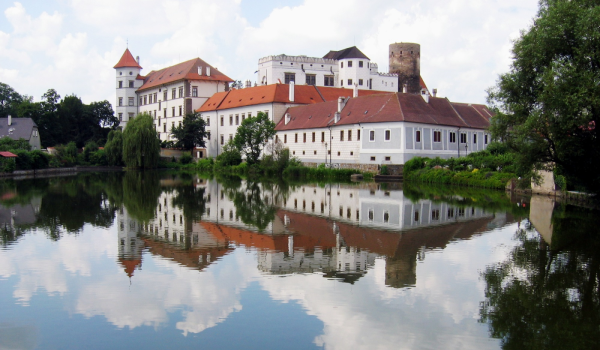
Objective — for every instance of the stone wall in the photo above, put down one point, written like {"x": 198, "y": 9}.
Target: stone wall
{"x": 370, "y": 168}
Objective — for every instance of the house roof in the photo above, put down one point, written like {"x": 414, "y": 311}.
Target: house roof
{"x": 276, "y": 93}
{"x": 187, "y": 70}
{"x": 390, "y": 107}
{"x": 20, "y": 128}
{"x": 127, "y": 60}
{"x": 350, "y": 52}
{"x": 8, "y": 155}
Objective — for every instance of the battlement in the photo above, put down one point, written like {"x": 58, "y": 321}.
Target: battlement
{"x": 299, "y": 59}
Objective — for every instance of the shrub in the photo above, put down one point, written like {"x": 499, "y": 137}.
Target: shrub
{"x": 384, "y": 170}
{"x": 99, "y": 158}
{"x": 186, "y": 158}
{"x": 89, "y": 148}
{"x": 206, "y": 164}
{"x": 39, "y": 159}
{"x": 230, "y": 156}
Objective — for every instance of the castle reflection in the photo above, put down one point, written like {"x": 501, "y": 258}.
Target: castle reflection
{"x": 338, "y": 231}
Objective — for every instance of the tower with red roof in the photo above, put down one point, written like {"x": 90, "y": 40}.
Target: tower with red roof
{"x": 128, "y": 81}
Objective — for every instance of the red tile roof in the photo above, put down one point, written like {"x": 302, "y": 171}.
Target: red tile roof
{"x": 279, "y": 93}
{"x": 187, "y": 70}
{"x": 7, "y": 155}
{"x": 127, "y": 60}
{"x": 390, "y": 107}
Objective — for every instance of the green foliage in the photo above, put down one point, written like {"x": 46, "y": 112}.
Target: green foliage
{"x": 191, "y": 133}
{"x": 548, "y": 105}
{"x": 9, "y": 101}
{"x": 67, "y": 155}
{"x": 230, "y": 156}
{"x": 8, "y": 144}
{"x": 186, "y": 158}
{"x": 90, "y": 148}
{"x": 384, "y": 170}
{"x": 39, "y": 159}
{"x": 99, "y": 158}
{"x": 114, "y": 148}
{"x": 141, "y": 146}
{"x": 206, "y": 164}
{"x": 252, "y": 135}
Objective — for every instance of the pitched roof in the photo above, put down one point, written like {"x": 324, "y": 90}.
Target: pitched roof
{"x": 7, "y": 155}
{"x": 185, "y": 70}
{"x": 276, "y": 93}
{"x": 127, "y": 60}
{"x": 350, "y": 52}
{"x": 390, "y": 107}
{"x": 20, "y": 128}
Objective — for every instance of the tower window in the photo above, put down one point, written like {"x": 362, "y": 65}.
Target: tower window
{"x": 349, "y": 64}
{"x": 360, "y": 64}
{"x": 131, "y": 83}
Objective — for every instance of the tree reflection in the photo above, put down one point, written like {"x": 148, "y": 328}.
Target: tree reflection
{"x": 548, "y": 297}
{"x": 141, "y": 190}
{"x": 253, "y": 204}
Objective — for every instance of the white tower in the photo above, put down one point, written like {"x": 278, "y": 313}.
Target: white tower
{"x": 128, "y": 81}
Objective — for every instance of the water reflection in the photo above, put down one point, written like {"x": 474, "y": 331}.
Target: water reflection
{"x": 377, "y": 266}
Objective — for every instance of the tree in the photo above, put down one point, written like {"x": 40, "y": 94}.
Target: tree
{"x": 191, "y": 133}
{"x": 253, "y": 135}
{"x": 114, "y": 148}
{"x": 9, "y": 101}
{"x": 548, "y": 104}
{"x": 141, "y": 146}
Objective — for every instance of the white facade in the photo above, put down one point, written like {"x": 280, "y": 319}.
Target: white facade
{"x": 127, "y": 101}
{"x": 344, "y": 73}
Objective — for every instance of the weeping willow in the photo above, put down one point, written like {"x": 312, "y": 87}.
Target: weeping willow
{"x": 141, "y": 147}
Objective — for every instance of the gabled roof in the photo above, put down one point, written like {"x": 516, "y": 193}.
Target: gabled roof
{"x": 390, "y": 107}
{"x": 127, "y": 60}
{"x": 20, "y": 128}
{"x": 276, "y": 93}
{"x": 351, "y": 52}
{"x": 187, "y": 70}
{"x": 8, "y": 155}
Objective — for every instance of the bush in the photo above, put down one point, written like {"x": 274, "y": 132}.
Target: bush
{"x": 39, "y": 159}
{"x": 230, "y": 156}
{"x": 23, "y": 160}
{"x": 186, "y": 158}
{"x": 206, "y": 164}
{"x": 99, "y": 158}
{"x": 88, "y": 150}
{"x": 384, "y": 170}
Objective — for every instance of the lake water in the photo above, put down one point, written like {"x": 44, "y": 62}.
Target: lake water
{"x": 160, "y": 260}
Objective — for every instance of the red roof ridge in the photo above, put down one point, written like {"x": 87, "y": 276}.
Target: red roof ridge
{"x": 127, "y": 60}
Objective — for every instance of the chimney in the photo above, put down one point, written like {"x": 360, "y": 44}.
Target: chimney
{"x": 292, "y": 91}
{"x": 341, "y": 104}
{"x": 199, "y": 70}
{"x": 287, "y": 118}
{"x": 434, "y": 92}
{"x": 208, "y": 71}
{"x": 9, "y": 119}
{"x": 355, "y": 92}
{"x": 425, "y": 96}
{"x": 137, "y": 58}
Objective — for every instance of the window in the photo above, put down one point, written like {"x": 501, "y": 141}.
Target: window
{"x": 165, "y": 127}
{"x": 314, "y": 136}
{"x": 349, "y": 64}
{"x": 328, "y": 80}
{"x": 180, "y": 111}
{"x": 450, "y": 212}
{"x": 141, "y": 101}
{"x": 386, "y": 217}
{"x": 284, "y": 138}
{"x": 463, "y": 137}
{"x": 230, "y": 119}
{"x": 358, "y": 135}
{"x": 244, "y": 116}
{"x": 120, "y": 101}
{"x": 194, "y": 91}
{"x": 341, "y": 135}
{"x": 418, "y": 136}
{"x": 452, "y": 137}
{"x": 207, "y": 121}
{"x": 156, "y": 97}
{"x": 372, "y": 159}
{"x": 360, "y": 64}
{"x": 221, "y": 120}
{"x": 222, "y": 139}
{"x": 180, "y": 92}
{"x": 371, "y": 135}
{"x": 323, "y": 136}
{"x": 120, "y": 84}
{"x": 237, "y": 119}
{"x": 416, "y": 216}
{"x": 130, "y": 101}
{"x": 165, "y": 112}
{"x": 230, "y": 137}
{"x": 173, "y": 93}
{"x": 474, "y": 138}
{"x": 296, "y": 138}
{"x": 130, "y": 115}
{"x": 349, "y": 81}
{"x": 165, "y": 95}
{"x": 387, "y": 159}
{"x": 349, "y": 135}
{"x": 437, "y": 136}
{"x": 360, "y": 82}
{"x": 485, "y": 139}
{"x": 304, "y": 137}
{"x": 311, "y": 79}
{"x": 131, "y": 83}
{"x": 120, "y": 117}
{"x": 342, "y": 64}
{"x": 290, "y": 77}
{"x": 371, "y": 214}
{"x": 208, "y": 136}
{"x": 435, "y": 214}
{"x": 388, "y": 135}
{"x": 173, "y": 112}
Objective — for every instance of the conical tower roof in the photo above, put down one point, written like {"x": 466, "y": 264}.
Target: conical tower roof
{"x": 127, "y": 60}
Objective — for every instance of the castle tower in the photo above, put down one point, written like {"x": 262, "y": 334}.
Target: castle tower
{"x": 128, "y": 81}
{"x": 405, "y": 60}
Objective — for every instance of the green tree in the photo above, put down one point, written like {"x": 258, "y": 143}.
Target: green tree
{"x": 141, "y": 146}
{"x": 230, "y": 156}
{"x": 548, "y": 104}
{"x": 9, "y": 101}
{"x": 190, "y": 133}
{"x": 252, "y": 136}
{"x": 114, "y": 148}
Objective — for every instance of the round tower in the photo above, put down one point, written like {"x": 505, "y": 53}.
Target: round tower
{"x": 405, "y": 60}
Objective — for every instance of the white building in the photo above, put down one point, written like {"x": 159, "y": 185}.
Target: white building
{"x": 344, "y": 68}
{"x": 167, "y": 94}
{"x": 383, "y": 129}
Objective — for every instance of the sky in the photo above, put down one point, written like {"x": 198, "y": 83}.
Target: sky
{"x": 72, "y": 45}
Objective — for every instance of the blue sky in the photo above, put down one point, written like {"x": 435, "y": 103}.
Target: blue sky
{"x": 72, "y": 45}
